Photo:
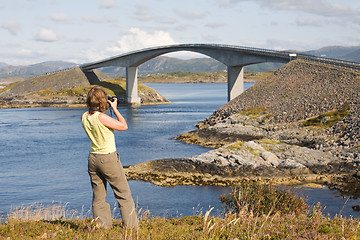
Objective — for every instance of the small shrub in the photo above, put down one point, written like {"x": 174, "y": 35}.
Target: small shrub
{"x": 179, "y": 74}
{"x": 356, "y": 147}
{"x": 329, "y": 118}
{"x": 254, "y": 111}
{"x": 262, "y": 199}
{"x": 236, "y": 146}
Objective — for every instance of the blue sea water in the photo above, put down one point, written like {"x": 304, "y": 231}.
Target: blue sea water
{"x": 43, "y": 155}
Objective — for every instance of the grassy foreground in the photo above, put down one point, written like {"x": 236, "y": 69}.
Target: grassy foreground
{"x": 240, "y": 226}
{"x": 253, "y": 212}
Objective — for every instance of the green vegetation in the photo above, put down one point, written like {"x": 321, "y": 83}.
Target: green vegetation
{"x": 254, "y": 112}
{"x": 257, "y": 76}
{"x": 356, "y": 147}
{"x": 111, "y": 87}
{"x": 262, "y": 199}
{"x": 187, "y": 77}
{"x": 329, "y": 118}
{"x": 268, "y": 141}
{"x": 236, "y": 146}
{"x": 270, "y": 144}
{"x": 8, "y": 86}
{"x": 114, "y": 87}
{"x": 203, "y": 77}
{"x": 179, "y": 74}
{"x": 252, "y": 211}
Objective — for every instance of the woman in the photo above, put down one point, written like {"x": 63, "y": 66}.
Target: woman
{"x": 103, "y": 162}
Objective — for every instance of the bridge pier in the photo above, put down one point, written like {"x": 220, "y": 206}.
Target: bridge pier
{"x": 132, "y": 85}
{"x": 235, "y": 81}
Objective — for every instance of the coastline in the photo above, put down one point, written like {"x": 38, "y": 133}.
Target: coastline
{"x": 256, "y": 159}
{"x": 300, "y": 137}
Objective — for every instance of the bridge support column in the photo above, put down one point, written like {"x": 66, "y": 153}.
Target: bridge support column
{"x": 235, "y": 81}
{"x": 132, "y": 85}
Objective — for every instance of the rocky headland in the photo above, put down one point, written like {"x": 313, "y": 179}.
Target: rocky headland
{"x": 299, "y": 125}
{"x": 68, "y": 88}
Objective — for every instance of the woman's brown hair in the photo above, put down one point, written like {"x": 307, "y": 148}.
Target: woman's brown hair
{"x": 97, "y": 100}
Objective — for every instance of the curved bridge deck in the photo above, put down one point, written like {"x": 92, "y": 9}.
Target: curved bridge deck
{"x": 234, "y": 57}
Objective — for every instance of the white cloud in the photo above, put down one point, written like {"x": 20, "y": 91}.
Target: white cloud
{"x": 94, "y": 19}
{"x": 138, "y": 39}
{"x": 224, "y": 3}
{"x": 81, "y": 40}
{"x": 107, "y": 4}
{"x": 319, "y": 7}
{"x": 22, "y": 58}
{"x": 142, "y": 13}
{"x": 181, "y": 27}
{"x": 308, "y": 22}
{"x": 191, "y": 15}
{"x": 92, "y": 54}
{"x": 210, "y": 37}
{"x": 292, "y": 44}
{"x": 352, "y": 41}
{"x": 215, "y": 24}
{"x": 60, "y": 18}
{"x": 46, "y": 35}
{"x": 12, "y": 26}
{"x": 29, "y": 53}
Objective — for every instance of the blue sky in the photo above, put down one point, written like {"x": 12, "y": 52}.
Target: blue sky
{"x": 81, "y": 31}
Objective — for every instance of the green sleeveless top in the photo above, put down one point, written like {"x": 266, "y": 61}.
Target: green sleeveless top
{"x": 101, "y": 137}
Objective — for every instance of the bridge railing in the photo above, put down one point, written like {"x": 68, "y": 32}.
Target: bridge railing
{"x": 286, "y": 55}
{"x": 330, "y": 61}
{"x": 306, "y": 57}
{"x": 302, "y": 56}
{"x": 264, "y": 51}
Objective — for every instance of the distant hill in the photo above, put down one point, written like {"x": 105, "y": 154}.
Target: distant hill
{"x": 3, "y": 64}
{"x": 68, "y": 88}
{"x": 196, "y": 65}
{"x": 52, "y": 82}
{"x": 168, "y": 64}
{"x": 7, "y": 71}
{"x": 338, "y": 52}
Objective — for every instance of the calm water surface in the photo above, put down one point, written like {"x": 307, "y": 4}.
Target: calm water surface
{"x": 43, "y": 155}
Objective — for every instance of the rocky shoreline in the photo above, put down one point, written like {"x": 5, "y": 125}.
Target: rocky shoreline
{"x": 294, "y": 155}
{"x": 277, "y": 144}
{"x": 33, "y": 101}
{"x": 68, "y": 89}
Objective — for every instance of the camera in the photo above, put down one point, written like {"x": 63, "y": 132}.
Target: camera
{"x": 111, "y": 99}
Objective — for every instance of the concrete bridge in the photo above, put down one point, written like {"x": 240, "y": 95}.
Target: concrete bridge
{"x": 234, "y": 57}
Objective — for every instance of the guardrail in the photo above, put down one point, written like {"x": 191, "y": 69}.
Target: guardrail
{"x": 330, "y": 61}
{"x": 286, "y": 55}
{"x": 307, "y": 57}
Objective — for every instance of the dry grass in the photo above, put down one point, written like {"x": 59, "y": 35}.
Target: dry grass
{"x": 38, "y": 211}
{"x": 56, "y": 222}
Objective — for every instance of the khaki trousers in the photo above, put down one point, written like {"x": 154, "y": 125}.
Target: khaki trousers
{"x": 105, "y": 168}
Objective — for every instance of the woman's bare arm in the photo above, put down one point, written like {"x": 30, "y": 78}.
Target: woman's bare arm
{"x": 119, "y": 124}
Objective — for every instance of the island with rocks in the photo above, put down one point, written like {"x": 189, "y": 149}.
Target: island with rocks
{"x": 299, "y": 125}
{"x": 68, "y": 88}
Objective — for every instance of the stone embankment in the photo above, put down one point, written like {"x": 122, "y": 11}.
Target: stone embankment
{"x": 299, "y": 125}
{"x": 301, "y": 90}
